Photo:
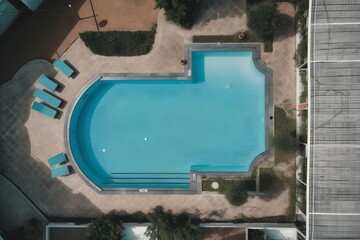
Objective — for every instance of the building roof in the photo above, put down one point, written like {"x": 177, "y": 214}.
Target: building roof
{"x": 334, "y": 156}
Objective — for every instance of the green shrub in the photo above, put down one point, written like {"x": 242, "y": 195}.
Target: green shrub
{"x": 115, "y": 43}
{"x": 301, "y": 51}
{"x": 234, "y": 38}
{"x": 167, "y": 226}
{"x": 235, "y": 193}
{"x": 262, "y": 20}
{"x": 181, "y": 12}
{"x": 301, "y": 7}
{"x": 105, "y": 227}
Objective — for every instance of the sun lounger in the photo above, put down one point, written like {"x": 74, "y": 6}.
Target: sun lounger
{"x": 44, "y": 109}
{"x": 68, "y": 71}
{"x": 48, "y": 98}
{"x": 60, "y": 171}
{"x": 60, "y": 158}
{"x": 48, "y": 83}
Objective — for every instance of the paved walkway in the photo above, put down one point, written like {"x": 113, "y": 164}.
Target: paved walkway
{"x": 281, "y": 60}
{"x": 28, "y": 138}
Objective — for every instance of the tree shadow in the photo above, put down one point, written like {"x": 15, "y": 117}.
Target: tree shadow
{"x": 277, "y": 187}
{"x": 17, "y": 154}
{"x": 213, "y": 9}
{"x": 285, "y": 27}
{"x": 36, "y": 35}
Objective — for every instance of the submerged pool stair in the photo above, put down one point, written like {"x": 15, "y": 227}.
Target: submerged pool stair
{"x": 149, "y": 180}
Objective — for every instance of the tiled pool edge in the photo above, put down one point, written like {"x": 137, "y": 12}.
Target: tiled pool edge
{"x": 195, "y": 177}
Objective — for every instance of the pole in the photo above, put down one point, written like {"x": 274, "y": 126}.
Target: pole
{"x": 74, "y": 12}
{"x": 92, "y": 8}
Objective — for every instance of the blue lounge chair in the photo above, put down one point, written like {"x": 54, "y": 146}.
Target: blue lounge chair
{"x": 46, "y": 97}
{"x": 68, "y": 71}
{"x": 48, "y": 83}
{"x": 60, "y": 158}
{"x": 44, "y": 109}
{"x": 60, "y": 171}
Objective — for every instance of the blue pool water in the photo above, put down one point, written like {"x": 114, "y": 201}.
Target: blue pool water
{"x": 151, "y": 133}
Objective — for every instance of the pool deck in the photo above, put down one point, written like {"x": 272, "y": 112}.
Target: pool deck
{"x": 195, "y": 176}
{"x": 29, "y": 138}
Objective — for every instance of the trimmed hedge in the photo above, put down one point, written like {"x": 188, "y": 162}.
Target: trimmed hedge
{"x": 234, "y": 38}
{"x": 116, "y": 43}
{"x": 276, "y": 219}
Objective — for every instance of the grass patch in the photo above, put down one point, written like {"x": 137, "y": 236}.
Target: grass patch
{"x": 234, "y": 38}
{"x": 284, "y": 141}
{"x": 250, "y": 184}
{"x": 116, "y": 43}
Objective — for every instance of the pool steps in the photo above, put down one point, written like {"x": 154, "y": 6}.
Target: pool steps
{"x": 149, "y": 180}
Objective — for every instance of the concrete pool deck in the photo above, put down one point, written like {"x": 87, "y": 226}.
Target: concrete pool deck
{"x": 28, "y": 138}
{"x": 195, "y": 176}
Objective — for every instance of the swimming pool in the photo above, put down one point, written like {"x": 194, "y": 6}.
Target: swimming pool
{"x": 151, "y": 133}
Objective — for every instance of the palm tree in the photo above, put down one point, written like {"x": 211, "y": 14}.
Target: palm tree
{"x": 105, "y": 227}
{"x": 166, "y": 226}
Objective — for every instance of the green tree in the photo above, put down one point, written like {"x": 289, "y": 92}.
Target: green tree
{"x": 235, "y": 193}
{"x": 262, "y": 19}
{"x": 256, "y": 234}
{"x": 166, "y": 226}
{"x": 105, "y": 227}
{"x": 182, "y": 12}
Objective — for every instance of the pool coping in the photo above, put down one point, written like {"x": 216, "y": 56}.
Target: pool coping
{"x": 195, "y": 176}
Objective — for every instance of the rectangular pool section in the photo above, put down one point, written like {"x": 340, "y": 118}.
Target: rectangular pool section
{"x": 151, "y": 133}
